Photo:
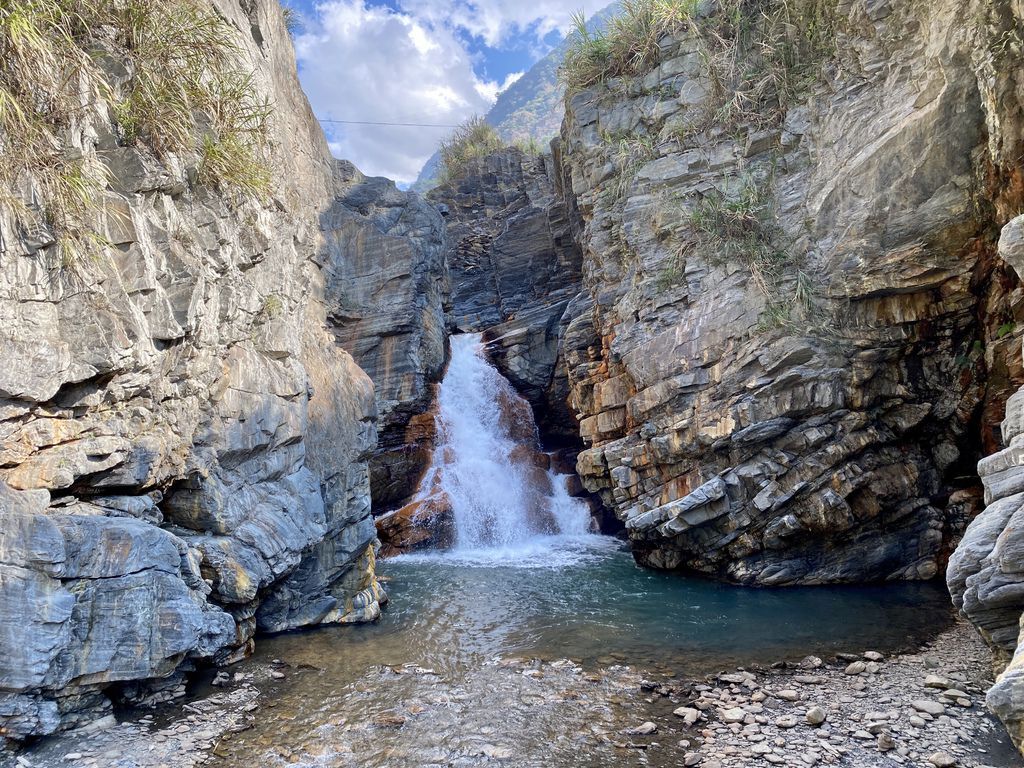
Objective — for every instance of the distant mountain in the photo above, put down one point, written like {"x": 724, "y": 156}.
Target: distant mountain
{"x": 530, "y": 108}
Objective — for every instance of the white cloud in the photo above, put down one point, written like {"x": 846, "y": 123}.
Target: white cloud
{"x": 360, "y": 62}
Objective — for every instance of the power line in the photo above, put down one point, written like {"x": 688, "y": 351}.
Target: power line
{"x": 400, "y": 125}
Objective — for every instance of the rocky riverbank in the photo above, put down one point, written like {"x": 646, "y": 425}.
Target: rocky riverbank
{"x": 924, "y": 708}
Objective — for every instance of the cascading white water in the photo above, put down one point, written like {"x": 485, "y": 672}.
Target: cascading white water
{"x": 499, "y": 498}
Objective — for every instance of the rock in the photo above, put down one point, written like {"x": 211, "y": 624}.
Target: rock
{"x": 929, "y": 707}
{"x": 874, "y": 656}
{"x": 786, "y": 721}
{"x": 428, "y": 523}
{"x": 387, "y": 285}
{"x": 689, "y": 714}
{"x": 733, "y": 715}
{"x": 856, "y": 668}
{"x": 885, "y": 742}
{"x": 691, "y": 375}
{"x": 788, "y": 695}
{"x": 942, "y": 760}
{"x": 644, "y": 729}
{"x": 816, "y": 716}
{"x": 185, "y": 446}
{"x": 934, "y": 681}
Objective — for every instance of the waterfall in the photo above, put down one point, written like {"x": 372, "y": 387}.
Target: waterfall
{"x": 502, "y": 491}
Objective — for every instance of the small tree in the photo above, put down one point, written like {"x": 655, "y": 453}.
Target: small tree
{"x": 473, "y": 139}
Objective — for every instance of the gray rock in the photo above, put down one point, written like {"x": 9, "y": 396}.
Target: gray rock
{"x": 184, "y": 445}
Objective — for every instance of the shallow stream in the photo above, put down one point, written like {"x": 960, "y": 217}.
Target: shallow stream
{"x": 458, "y": 671}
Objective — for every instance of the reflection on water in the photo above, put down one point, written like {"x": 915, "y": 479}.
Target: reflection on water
{"x": 432, "y": 682}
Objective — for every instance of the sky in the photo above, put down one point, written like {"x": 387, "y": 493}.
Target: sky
{"x": 416, "y": 61}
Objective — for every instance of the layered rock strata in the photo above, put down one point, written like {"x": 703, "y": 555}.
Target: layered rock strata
{"x": 986, "y": 573}
{"x": 183, "y": 444}
{"x": 799, "y": 337}
{"x": 387, "y": 293}
{"x": 515, "y": 272}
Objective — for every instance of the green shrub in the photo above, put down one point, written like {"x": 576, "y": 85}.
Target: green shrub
{"x": 472, "y": 140}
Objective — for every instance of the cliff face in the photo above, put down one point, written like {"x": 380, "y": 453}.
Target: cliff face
{"x": 387, "y": 292}
{"x": 515, "y": 271}
{"x": 801, "y": 336}
{"x": 183, "y": 444}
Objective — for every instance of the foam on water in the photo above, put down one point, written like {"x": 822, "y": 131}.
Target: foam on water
{"x": 494, "y": 499}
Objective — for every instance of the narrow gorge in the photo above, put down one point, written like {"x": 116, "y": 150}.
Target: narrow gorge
{"x": 694, "y": 436}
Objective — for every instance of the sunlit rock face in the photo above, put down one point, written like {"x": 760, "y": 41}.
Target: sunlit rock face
{"x": 387, "y": 292}
{"x": 183, "y": 444}
{"x": 812, "y": 413}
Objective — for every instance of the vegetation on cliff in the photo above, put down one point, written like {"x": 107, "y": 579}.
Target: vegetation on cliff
{"x": 472, "y": 140}
{"x": 757, "y": 52}
{"x": 167, "y": 71}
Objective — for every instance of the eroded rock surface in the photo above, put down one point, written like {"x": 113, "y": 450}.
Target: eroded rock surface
{"x": 986, "y": 572}
{"x": 808, "y": 409}
{"x": 183, "y": 444}
{"x": 515, "y": 271}
{"x": 387, "y": 292}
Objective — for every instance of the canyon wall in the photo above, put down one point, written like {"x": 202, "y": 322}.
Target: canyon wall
{"x": 184, "y": 445}
{"x": 515, "y": 272}
{"x": 801, "y": 336}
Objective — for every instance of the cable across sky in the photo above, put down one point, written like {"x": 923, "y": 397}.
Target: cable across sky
{"x": 399, "y": 125}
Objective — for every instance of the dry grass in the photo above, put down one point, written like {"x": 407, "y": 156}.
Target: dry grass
{"x": 758, "y": 54}
{"x": 178, "y": 59}
{"x": 630, "y": 43}
{"x": 472, "y": 140}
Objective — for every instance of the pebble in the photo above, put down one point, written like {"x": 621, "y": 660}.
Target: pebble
{"x": 942, "y": 760}
{"x": 856, "y": 668}
{"x": 816, "y": 716}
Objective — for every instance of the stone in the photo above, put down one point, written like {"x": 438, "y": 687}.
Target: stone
{"x": 689, "y": 714}
{"x": 644, "y": 729}
{"x": 815, "y": 716}
{"x": 885, "y": 742}
{"x": 934, "y": 681}
{"x": 929, "y": 707}
{"x": 856, "y": 668}
{"x": 942, "y": 760}
{"x": 733, "y": 715}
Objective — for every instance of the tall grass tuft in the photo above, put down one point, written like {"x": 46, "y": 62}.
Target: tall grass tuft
{"x": 472, "y": 140}
{"x": 630, "y": 45}
{"x": 181, "y": 91}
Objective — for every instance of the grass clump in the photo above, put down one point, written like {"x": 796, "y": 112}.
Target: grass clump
{"x": 757, "y": 54}
{"x": 629, "y": 45}
{"x": 44, "y": 75}
{"x": 739, "y": 223}
{"x": 178, "y": 90}
{"x": 472, "y": 140}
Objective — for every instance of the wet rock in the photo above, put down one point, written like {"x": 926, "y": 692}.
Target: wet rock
{"x": 425, "y": 524}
